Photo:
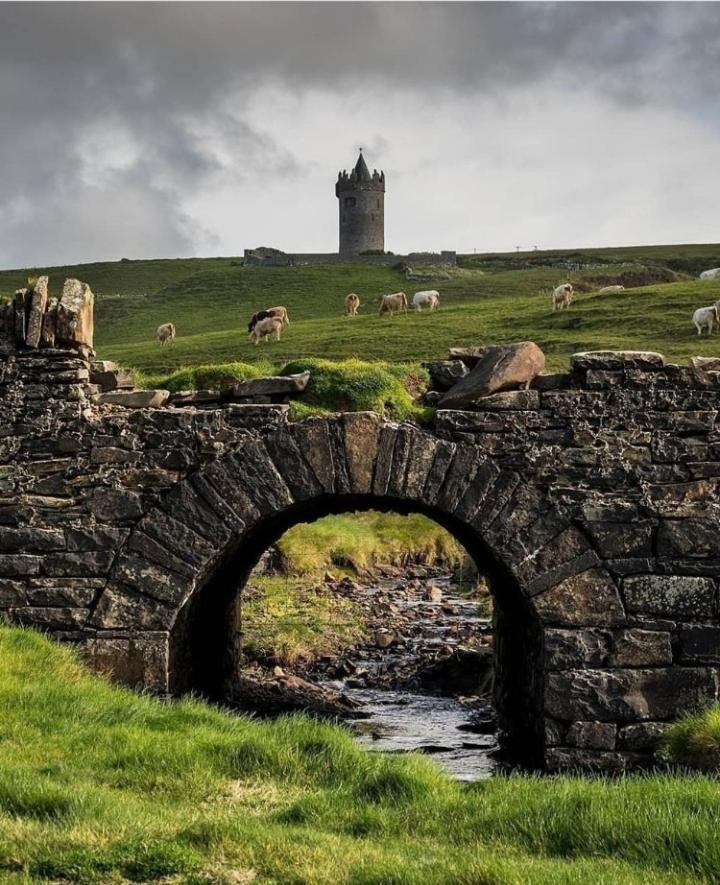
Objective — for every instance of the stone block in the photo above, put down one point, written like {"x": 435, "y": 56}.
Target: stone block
{"x": 670, "y": 595}
{"x": 699, "y": 643}
{"x": 642, "y": 737}
{"x": 564, "y": 759}
{"x": 576, "y": 649}
{"x": 622, "y": 540}
{"x": 592, "y": 735}
{"x": 614, "y": 360}
{"x": 74, "y": 325}
{"x": 640, "y": 648}
{"x": 38, "y": 303}
{"x": 362, "y": 431}
{"x": 133, "y": 399}
{"x": 114, "y": 505}
{"x": 272, "y": 386}
{"x": 115, "y": 379}
{"x": 689, "y": 537}
{"x": 628, "y": 695}
{"x": 136, "y": 662}
{"x": 586, "y": 599}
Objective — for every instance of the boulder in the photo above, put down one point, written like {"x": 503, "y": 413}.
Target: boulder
{"x": 445, "y": 373}
{"x": 617, "y": 359}
{"x": 22, "y": 298}
{"x": 502, "y": 367}
{"x": 38, "y": 302}
{"x": 468, "y": 355}
{"x": 134, "y": 399}
{"x": 75, "y": 315}
{"x": 271, "y": 386}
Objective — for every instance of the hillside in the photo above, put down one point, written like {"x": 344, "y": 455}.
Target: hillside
{"x": 100, "y": 785}
{"x": 492, "y": 298}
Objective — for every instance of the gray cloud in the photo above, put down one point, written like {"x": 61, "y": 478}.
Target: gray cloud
{"x": 169, "y": 128}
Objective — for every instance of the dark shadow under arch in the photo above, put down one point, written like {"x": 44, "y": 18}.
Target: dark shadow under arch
{"x": 201, "y": 641}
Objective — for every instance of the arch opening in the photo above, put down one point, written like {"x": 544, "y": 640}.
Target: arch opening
{"x": 204, "y": 651}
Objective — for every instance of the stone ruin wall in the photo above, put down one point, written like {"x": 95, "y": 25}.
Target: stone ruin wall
{"x": 596, "y": 491}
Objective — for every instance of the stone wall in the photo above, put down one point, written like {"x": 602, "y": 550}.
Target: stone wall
{"x": 253, "y": 257}
{"x": 591, "y": 498}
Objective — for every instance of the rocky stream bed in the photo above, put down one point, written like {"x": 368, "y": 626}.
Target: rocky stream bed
{"x": 420, "y": 680}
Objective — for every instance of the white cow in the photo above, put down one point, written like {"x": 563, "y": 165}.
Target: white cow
{"x": 706, "y": 318}
{"x": 606, "y": 289}
{"x": 430, "y": 298}
{"x": 165, "y": 334}
{"x": 395, "y": 303}
{"x": 712, "y": 274}
{"x": 265, "y": 328}
{"x": 562, "y": 296}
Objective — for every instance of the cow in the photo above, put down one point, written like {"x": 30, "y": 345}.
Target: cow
{"x": 352, "y": 302}
{"x": 279, "y": 312}
{"x": 707, "y": 318}
{"x": 562, "y": 296}
{"x": 430, "y": 298}
{"x": 712, "y": 274}
{"x": 395, "y": 303}
{"x": 266, "y": 327}
{"x": 165, "y": 334}
{"x": 606, "y": 289}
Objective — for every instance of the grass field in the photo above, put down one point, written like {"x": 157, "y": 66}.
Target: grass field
{"x": 100, "y": 785}
{"x": 492, "y": 299}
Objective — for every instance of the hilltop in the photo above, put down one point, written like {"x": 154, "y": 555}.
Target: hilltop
{"x": 490, "y": 298}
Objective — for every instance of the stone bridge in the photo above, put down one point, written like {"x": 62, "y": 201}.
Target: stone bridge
{"x": 590, "y": 499}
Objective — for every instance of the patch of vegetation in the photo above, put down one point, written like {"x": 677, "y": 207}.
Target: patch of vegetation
{"x": 360, "y": 541}
{"x": 694, "y": 741}
{"x": 357, "y": 386}
{"x": 203, "y": 377}
{"x": 102, "y": 785}
{"x": 289, "y": 619}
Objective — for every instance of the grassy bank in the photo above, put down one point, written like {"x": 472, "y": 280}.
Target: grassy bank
{"x": 294, "y": 615}
{"x": 102, "y": 785}
{"x": 495, "y": 298}
{"x": 360, "y": 541}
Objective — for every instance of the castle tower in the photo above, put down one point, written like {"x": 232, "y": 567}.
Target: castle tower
{"x": 362, "y": 209}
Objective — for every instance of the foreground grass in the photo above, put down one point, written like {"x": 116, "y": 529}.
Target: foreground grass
{"x": 101, "y": 785}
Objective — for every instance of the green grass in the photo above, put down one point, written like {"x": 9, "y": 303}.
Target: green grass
{"x": 695, "y": 741}
{"x": 100, "y": 785}
{"x": 289, "y": 619}
{"x": 492, "y": 299}
{"x": 362, "y": 540}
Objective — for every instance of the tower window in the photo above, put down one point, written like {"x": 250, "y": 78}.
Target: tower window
{"x": 349, "y": 201}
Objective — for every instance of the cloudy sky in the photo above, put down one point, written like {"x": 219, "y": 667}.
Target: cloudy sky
{"x": 159, "y": 130}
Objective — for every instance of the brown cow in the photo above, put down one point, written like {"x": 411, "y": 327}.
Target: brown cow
{"x": 395, "y": 303}
{"x": 352, "y": 302}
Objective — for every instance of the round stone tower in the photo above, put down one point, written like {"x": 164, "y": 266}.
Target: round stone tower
{"x": 362, "y": 209}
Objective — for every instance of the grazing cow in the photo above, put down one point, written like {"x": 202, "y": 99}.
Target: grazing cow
{"x": 430, "y": 298}
{"x": 395, "y": 303}
{"x": 165, "y": 334}
{"x": 562, "y": 296}
{"x": 706, "y": 318}
{"x": 279, "y": 312}
{"x": 712, "y": 274}
{"x": 266, "y": 327}
{"x": 611, "y": 289}
{"x": 352, "y": 302}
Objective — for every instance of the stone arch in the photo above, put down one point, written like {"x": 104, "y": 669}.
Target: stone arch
{"x": 171, "y": 580}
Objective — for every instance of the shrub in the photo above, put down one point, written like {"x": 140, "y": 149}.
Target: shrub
{"x": 694, "y": 741}
{"x": 202, "y": 377}
{"x": 355, "y": 386}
